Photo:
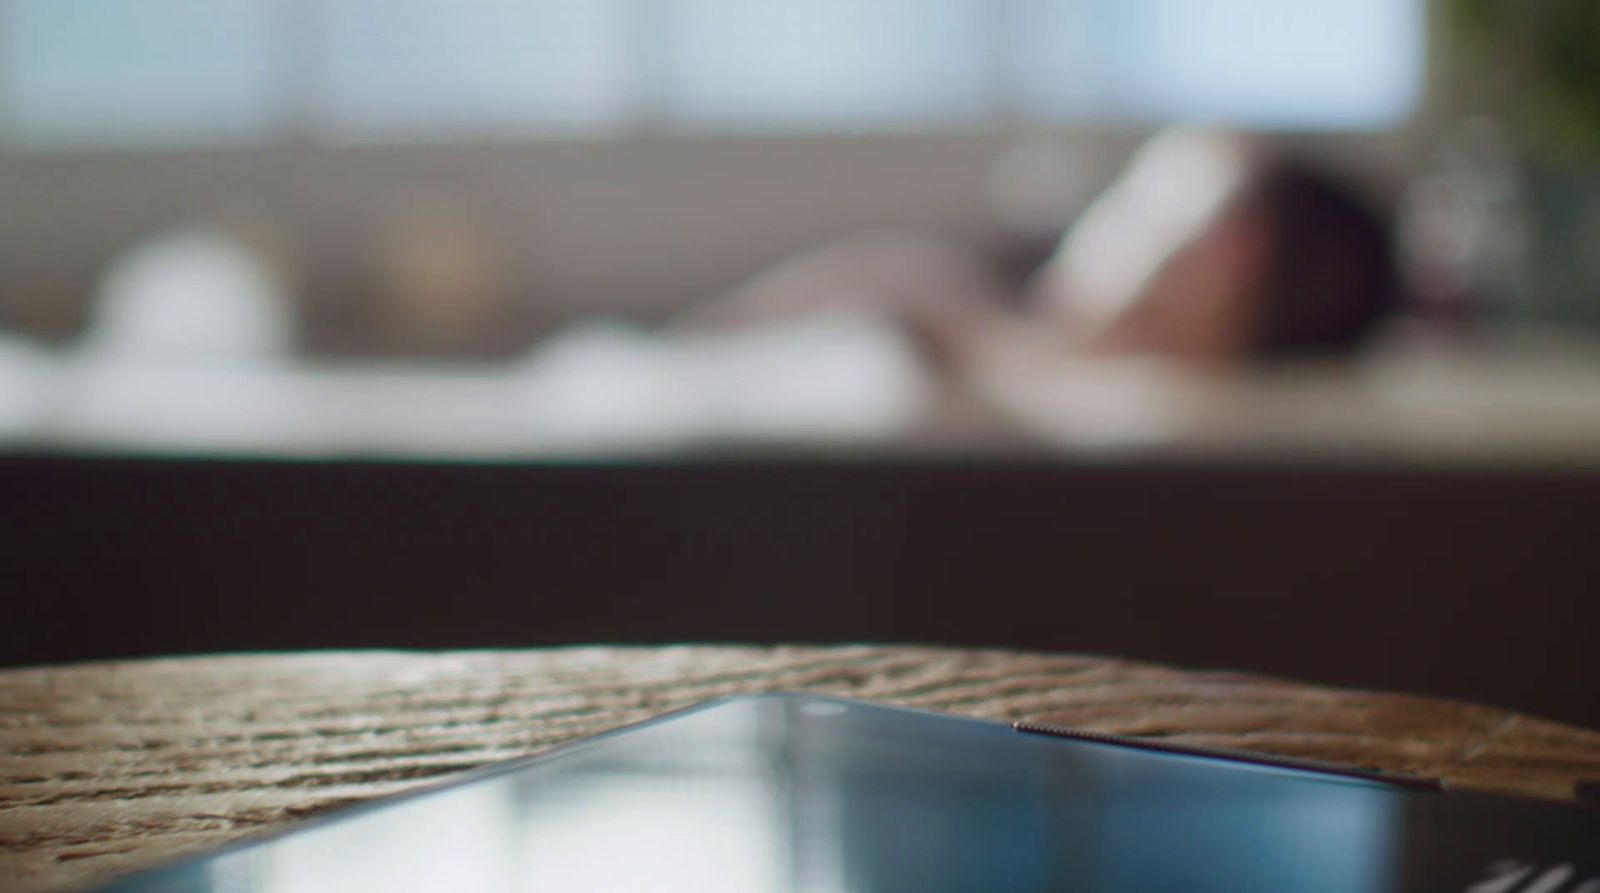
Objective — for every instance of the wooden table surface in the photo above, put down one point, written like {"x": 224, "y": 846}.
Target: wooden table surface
{"x": 107, "y": 767}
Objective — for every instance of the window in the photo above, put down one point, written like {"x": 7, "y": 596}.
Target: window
{"x": 206, "y": 71}
{"x": 825, "y": 63}
{"x": 413, "y": 67}
{"x": 132, "y": 71}
{"x": 1305, "y": 63}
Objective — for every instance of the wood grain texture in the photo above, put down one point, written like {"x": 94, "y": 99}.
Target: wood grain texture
{"x": 108, "y": 767}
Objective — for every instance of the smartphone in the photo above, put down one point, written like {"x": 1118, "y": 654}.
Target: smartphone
{"x": 806, "y": 794}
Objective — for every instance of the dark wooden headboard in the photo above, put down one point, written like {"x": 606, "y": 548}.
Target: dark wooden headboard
{"x": 1469, "y": 583}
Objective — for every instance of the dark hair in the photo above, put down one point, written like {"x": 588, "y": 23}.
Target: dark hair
{"x": 1331, "y": 274}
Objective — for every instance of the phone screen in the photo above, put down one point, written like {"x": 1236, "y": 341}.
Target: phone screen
{"x": 810, "y": 795}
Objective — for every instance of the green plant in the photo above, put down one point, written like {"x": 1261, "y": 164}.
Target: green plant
{"x": 1536, "y": 63}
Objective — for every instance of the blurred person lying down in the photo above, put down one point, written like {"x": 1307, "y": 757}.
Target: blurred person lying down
{"x": 1209, "y": 251}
